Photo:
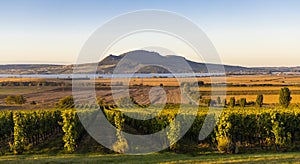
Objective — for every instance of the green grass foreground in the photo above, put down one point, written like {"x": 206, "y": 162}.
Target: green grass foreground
{"x": 291, "y": 157}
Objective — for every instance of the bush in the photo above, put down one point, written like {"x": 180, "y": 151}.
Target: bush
{"x": 259, "y": 100}
{"x": 225, "y": 145}
{"x": 285, "y": 97}
{"x": 208, "y": 102}
{"x": 232, "y": 102}
{"x": 18, "y": 99}
{"x": 10, "y": 100}
{"x": 33, "y": 103}
{"x": 66, "y": 103}
{"x": 243, "y": 102}
{"x": 224, "y": 103}
{"x": 219, "y": 100}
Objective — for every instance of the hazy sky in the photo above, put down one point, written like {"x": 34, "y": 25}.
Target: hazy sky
{"x": 249, "y": 33}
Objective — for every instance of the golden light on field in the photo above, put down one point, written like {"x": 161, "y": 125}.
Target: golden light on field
{"x": 271, "y": 93}
{"x": 268, "y": 99}
{"x": 19, "y": 79}
{"x": 260, "y": 88}
{"x": 237, "y": 80}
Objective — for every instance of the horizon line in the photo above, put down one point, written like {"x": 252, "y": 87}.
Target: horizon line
{"x": 70, "y": 63}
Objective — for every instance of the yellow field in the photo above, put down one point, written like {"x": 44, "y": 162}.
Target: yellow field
{"x": 259, "y": 88}
{"x": 19, "y": 79}
{"x": 262, "y": 79}
{"x": 238, "y": 92}
{"x": 249, "y": 79}
{"x": 267, "y": 98}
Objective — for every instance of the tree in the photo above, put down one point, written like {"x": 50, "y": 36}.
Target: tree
{"x": 209, "y": 102}
{"x": 200, "y": 83}
{"x": 66, "y": 103}
{"x": 259, "y": 100}
{"x": 243, "y": 102}
{"x": 232, "y": 102}
{"x": 219, "y": 100}
{"x": 10, "y": 100}
{"x": 18, "y": 99}
{"x": 285, "y": 97}
{"x": 224, "y": 103}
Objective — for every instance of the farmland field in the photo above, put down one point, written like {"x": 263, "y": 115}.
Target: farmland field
{"x": 24, "y": 90}
{"x": 47, "y": 96}
{"x": 241, "y": 79}
{"x": 267, "y": 139}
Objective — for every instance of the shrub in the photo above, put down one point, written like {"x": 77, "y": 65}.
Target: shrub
{"x": 66, "y": 103}
{"x": 225, "y": 145}
{"x": 259, "y": 100}
{"x": 9, "y": 100}
{"x": 219, "y": 100}
{"x": 285, "y": 97}
{"x": 224, "y": 103}
{"x": 18, "y": 99}
{"x": 232, "y": 102}
{"x": 208, "y": 102}
{"x": 243, "y": 102}
{"x": 33, "y": 103}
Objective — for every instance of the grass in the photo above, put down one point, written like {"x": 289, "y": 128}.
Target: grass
{"x": 51, "y": 152}
{"x": 292, "y": 157}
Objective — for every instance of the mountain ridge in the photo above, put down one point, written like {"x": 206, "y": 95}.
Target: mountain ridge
{"x": 140, "y": 61}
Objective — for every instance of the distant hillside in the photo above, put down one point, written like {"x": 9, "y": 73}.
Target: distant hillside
{"x": 34, "y": 69}
{"x": 136, "y": 59}
{"x": 141, "y": 61}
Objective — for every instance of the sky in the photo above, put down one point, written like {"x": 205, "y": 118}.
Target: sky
{"x": 247, "y": 33}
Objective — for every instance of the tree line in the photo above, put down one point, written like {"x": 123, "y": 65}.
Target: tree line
{"x": 284, "y": 100}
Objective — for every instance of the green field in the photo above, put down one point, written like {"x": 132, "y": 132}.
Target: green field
{"x": 51, "y": 141}
{"x": 292, "y": 157}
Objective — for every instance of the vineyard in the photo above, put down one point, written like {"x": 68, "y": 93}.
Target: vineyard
{"x": 238, "y": 129}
